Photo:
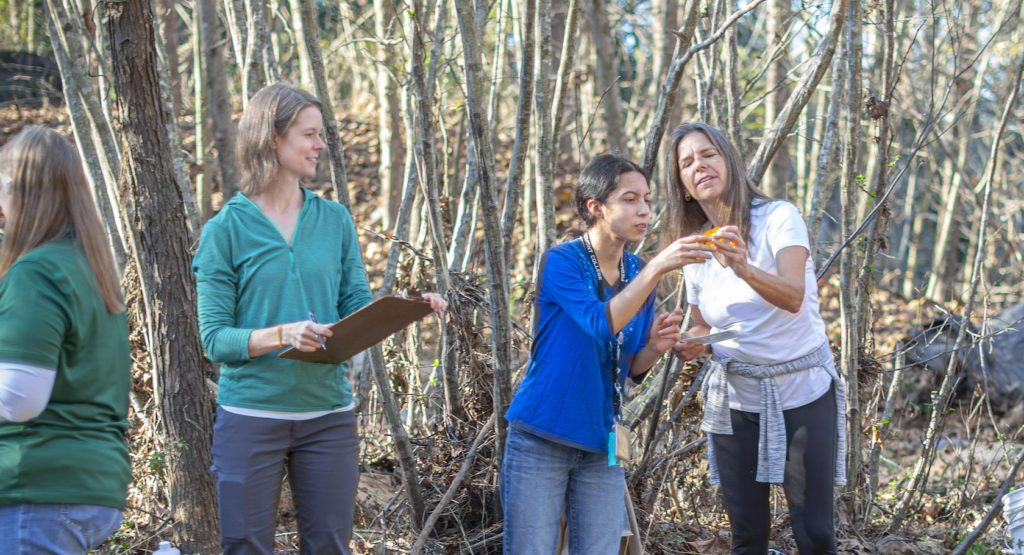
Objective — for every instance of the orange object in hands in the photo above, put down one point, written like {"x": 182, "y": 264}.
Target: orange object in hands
{"x": 708, "y": 233}
{"x": 711, "y": 232}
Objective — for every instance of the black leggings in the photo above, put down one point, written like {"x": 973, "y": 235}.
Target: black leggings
{"x": 808, "y": 483}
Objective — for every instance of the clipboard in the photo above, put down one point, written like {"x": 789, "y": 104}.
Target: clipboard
{"x": 364, "y": 328}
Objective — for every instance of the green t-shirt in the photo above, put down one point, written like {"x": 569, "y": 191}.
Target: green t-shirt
{"x": 52, "y": 315}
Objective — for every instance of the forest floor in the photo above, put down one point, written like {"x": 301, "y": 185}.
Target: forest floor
{"x": 975, "y": 454}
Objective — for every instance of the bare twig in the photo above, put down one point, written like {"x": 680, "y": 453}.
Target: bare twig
{"x": 993, "y": 511}
{"x": 456, "y": 482}
{"x": 942, "y": 398}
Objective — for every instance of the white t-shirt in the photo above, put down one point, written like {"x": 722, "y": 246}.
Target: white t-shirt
{"x": 768, "y": 334}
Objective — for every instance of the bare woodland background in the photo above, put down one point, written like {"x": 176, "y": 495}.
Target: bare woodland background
{"x": 455, "y": 130}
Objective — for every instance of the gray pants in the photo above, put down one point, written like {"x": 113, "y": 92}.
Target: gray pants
{"x": 249, "y": 455}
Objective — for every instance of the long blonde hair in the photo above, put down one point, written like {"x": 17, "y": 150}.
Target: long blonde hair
{"x": 50, "y": 199}
{"x": 269, "y": 114}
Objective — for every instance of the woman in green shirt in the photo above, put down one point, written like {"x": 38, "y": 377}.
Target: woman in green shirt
{"x": 64, "y": 356}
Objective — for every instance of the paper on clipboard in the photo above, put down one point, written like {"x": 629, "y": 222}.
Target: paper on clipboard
{"x": 712, "y": 337}
{"x": 364, "y": 328}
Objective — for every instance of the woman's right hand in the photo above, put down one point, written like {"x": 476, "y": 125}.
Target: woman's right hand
{"x": 304, "y": 335}
{"x": 689, "y": 351}
{"x": 682, "y": 251}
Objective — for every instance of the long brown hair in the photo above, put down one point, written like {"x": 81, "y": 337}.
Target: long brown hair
{"x": 686, "y": 216}
{"x": 50, "y": 199}
{"x": 269, "y": 114}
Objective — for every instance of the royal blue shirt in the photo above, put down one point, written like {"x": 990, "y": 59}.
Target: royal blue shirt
{"x": 566, "y": 395}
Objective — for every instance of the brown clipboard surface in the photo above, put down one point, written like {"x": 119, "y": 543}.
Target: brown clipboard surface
{"x": 364, "y": 328}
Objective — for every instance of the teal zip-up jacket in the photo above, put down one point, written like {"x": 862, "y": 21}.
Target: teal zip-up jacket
{"x": 248, "y": 278}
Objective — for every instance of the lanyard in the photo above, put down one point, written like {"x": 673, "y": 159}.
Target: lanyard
{"x": 616, "y": 345}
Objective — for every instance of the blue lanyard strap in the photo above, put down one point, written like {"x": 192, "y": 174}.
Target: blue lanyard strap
{"x": 616, "y": 345}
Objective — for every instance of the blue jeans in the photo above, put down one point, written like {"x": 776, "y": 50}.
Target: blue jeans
{"x": 540, "y": 478}
{"x": 55, "y": 528}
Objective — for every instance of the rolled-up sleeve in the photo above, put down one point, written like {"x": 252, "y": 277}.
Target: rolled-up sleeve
{"x": 217, "y": 288}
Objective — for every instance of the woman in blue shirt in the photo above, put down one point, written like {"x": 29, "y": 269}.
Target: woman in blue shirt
{"x": 594, "y": 320}
{"x": 274, "y": 256}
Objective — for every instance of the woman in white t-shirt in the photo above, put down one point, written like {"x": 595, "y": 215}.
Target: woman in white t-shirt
{"x": 774, "y": 403}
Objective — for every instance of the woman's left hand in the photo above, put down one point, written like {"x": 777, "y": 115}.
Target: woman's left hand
{"x": 731, "y": 249}
{"x": 437, "y": 302}
{"x": 664, "y": 331}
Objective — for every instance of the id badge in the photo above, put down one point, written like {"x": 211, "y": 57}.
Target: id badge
{"x": 612, "y": 459}
{"x": 623, "y": 450}
{"x": 618, "y": 444}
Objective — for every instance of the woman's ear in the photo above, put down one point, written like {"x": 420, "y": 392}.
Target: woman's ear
{"x": 594, "y": 207}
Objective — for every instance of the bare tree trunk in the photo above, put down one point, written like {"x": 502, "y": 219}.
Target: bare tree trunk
{"x": 404, "y": 221}
{"x": 203, "y": 180}
{"x": 95, "y": 138}
{"x": 271, "y": 42}
{"x": 606, "y": 66}
{"x": 848, "y": 264}
{"x": 253, "y": 76}
{"x": 498, "y": 63}
{"x": 153, "y": 201}
{"x": 169, "y": 33}
{"x": 732, "y": 92}
{"x": 828, "y": 157}
{"x": 665, "y": 20}
{"x": 944, "y": 258}
{"x": 865, "y": 281}
{"x": 544, "y": 168}
{"x": 426, "y": 168}
{"x": 181, "y": 176}
{"x": 881, "y": 433}
{"x": 235, "y": 21}
{"x": 565, "y": 64}
{"x": 30, "y": 23}
{"x": 514, "y": 183}
{"x": 497, "y": 277}
{"x": 339, "y": 177}
{"x": 218, "y": 104}
{"x": 781, "y": 167}
{"x": 913, "y": 213}
{"x": 782, "y": 125}
{"x": 704, "y": 71}
{"x": 389, "y": 120}
{"x": 298, "y": 32}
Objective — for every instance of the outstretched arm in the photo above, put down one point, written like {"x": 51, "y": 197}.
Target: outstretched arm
{"x": 623, "y": 306}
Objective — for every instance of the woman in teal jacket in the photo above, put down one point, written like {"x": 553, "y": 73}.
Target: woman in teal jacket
{"x": 275, "y": 258}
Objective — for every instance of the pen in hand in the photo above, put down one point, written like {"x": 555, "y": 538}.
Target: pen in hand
{"x": 312, "y": 318}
